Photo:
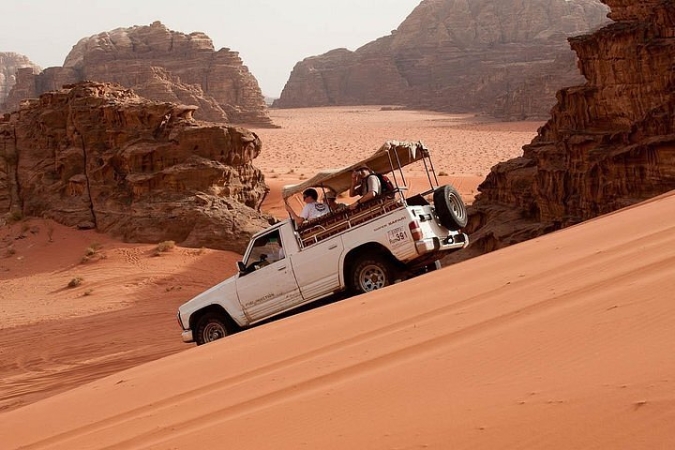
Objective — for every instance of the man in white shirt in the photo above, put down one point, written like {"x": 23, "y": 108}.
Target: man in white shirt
{"x": 311, "y": 210}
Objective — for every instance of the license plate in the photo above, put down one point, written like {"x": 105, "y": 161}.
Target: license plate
{"x": 397, "y": 236}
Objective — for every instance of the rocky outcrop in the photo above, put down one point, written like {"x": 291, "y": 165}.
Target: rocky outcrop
{"x": 97, "y": 155}
{"x": 610, "y": 143}
{"x": 9, "y": 64}
{"x": 502, "y": 57}
{"x": 161, "y": 65}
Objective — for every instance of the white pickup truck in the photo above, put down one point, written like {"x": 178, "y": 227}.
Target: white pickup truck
{"x": 389, "y": 238}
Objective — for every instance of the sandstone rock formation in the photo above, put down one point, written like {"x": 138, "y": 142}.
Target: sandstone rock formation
{"x": 504, "y": 57}
{"x": 9, "y": 64}
{"x": 98, "y": 155}
{"x": 161, "y": 65}
{"x": 610, "y": 143}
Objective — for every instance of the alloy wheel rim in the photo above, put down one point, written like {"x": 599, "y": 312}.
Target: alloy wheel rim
{"x": 372, "y": 277}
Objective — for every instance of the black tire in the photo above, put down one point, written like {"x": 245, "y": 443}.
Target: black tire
{"x": 369, "y": 273}
{"x": 211, "y": 327}
{"x": 450, "y": 208}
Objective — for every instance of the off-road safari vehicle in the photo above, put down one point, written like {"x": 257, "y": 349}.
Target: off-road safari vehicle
{"x": 391, "y": 237}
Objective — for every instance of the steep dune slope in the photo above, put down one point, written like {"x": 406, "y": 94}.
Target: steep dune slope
{"x": 564, "y": 341}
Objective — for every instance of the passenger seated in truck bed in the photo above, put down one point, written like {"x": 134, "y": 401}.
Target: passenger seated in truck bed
{"x": 311, "y": 210}
{"x": 329, "y": 198}
{"x": 364, "y": 183}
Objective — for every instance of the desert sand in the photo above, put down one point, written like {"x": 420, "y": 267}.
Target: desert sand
{"x": 463, "y": 146}
{"x": 560, "y": 342}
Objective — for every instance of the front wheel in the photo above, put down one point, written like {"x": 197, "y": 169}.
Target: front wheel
{"x": 209, "y": 328}
{"x": 370, "y": 273}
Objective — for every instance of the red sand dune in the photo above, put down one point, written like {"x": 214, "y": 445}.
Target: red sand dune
{"x": 561, "y": 342}
{"x": 53, "y": 337}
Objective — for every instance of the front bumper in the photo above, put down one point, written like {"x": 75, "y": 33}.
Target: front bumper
{"x": 187, "y": 336}
{"x": 452, "y": 242}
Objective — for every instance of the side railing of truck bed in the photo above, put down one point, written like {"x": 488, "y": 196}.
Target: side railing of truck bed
{"x": 316, "y": 230}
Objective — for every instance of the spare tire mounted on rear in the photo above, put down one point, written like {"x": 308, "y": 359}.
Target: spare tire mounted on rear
{"x": 450, "y": 208}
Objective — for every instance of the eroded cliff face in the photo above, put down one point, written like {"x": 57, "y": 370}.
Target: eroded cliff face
{"x": 96, "y": 155}
{"x": 9, "y": 64}
{"x": 503, "y": 57}
{"x": 161, "y": 65}
{"x": 610, "y": 142}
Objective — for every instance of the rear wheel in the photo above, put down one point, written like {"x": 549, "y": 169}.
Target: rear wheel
{"x": 450, "y": 208}
{"x": 211, "y": 327}
{"x": 370, "y": 273}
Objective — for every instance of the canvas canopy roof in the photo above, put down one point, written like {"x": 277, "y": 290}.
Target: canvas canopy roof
{"x": 391, "y": 156}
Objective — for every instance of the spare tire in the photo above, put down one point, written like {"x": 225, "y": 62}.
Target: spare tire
{"x": 450, "y": 208}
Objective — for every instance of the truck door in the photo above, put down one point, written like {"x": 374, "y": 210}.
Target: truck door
{"x": 268, "y": 284}
{"x": 317, "y": 268}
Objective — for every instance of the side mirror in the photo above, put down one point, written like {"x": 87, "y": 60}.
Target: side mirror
{"x": 241, "y": 267}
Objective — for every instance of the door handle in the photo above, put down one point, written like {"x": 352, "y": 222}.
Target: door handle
{"x": 332, "y": 247}
{"x": 281, "y": 268}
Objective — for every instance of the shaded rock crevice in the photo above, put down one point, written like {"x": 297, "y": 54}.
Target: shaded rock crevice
{"x": 10, "y": 157}
{"x": 87, "y": 183}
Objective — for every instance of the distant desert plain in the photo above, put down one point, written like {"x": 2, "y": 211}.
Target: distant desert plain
{"x": 562, "y": 342}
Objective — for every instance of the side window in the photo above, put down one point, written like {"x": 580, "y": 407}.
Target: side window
{"x": 266, "y": 249}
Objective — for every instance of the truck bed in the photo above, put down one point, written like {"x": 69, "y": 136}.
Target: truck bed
{"x": 316, "y": 230}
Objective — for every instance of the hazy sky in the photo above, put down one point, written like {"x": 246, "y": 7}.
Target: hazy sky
{"x": 270, "y": 35}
